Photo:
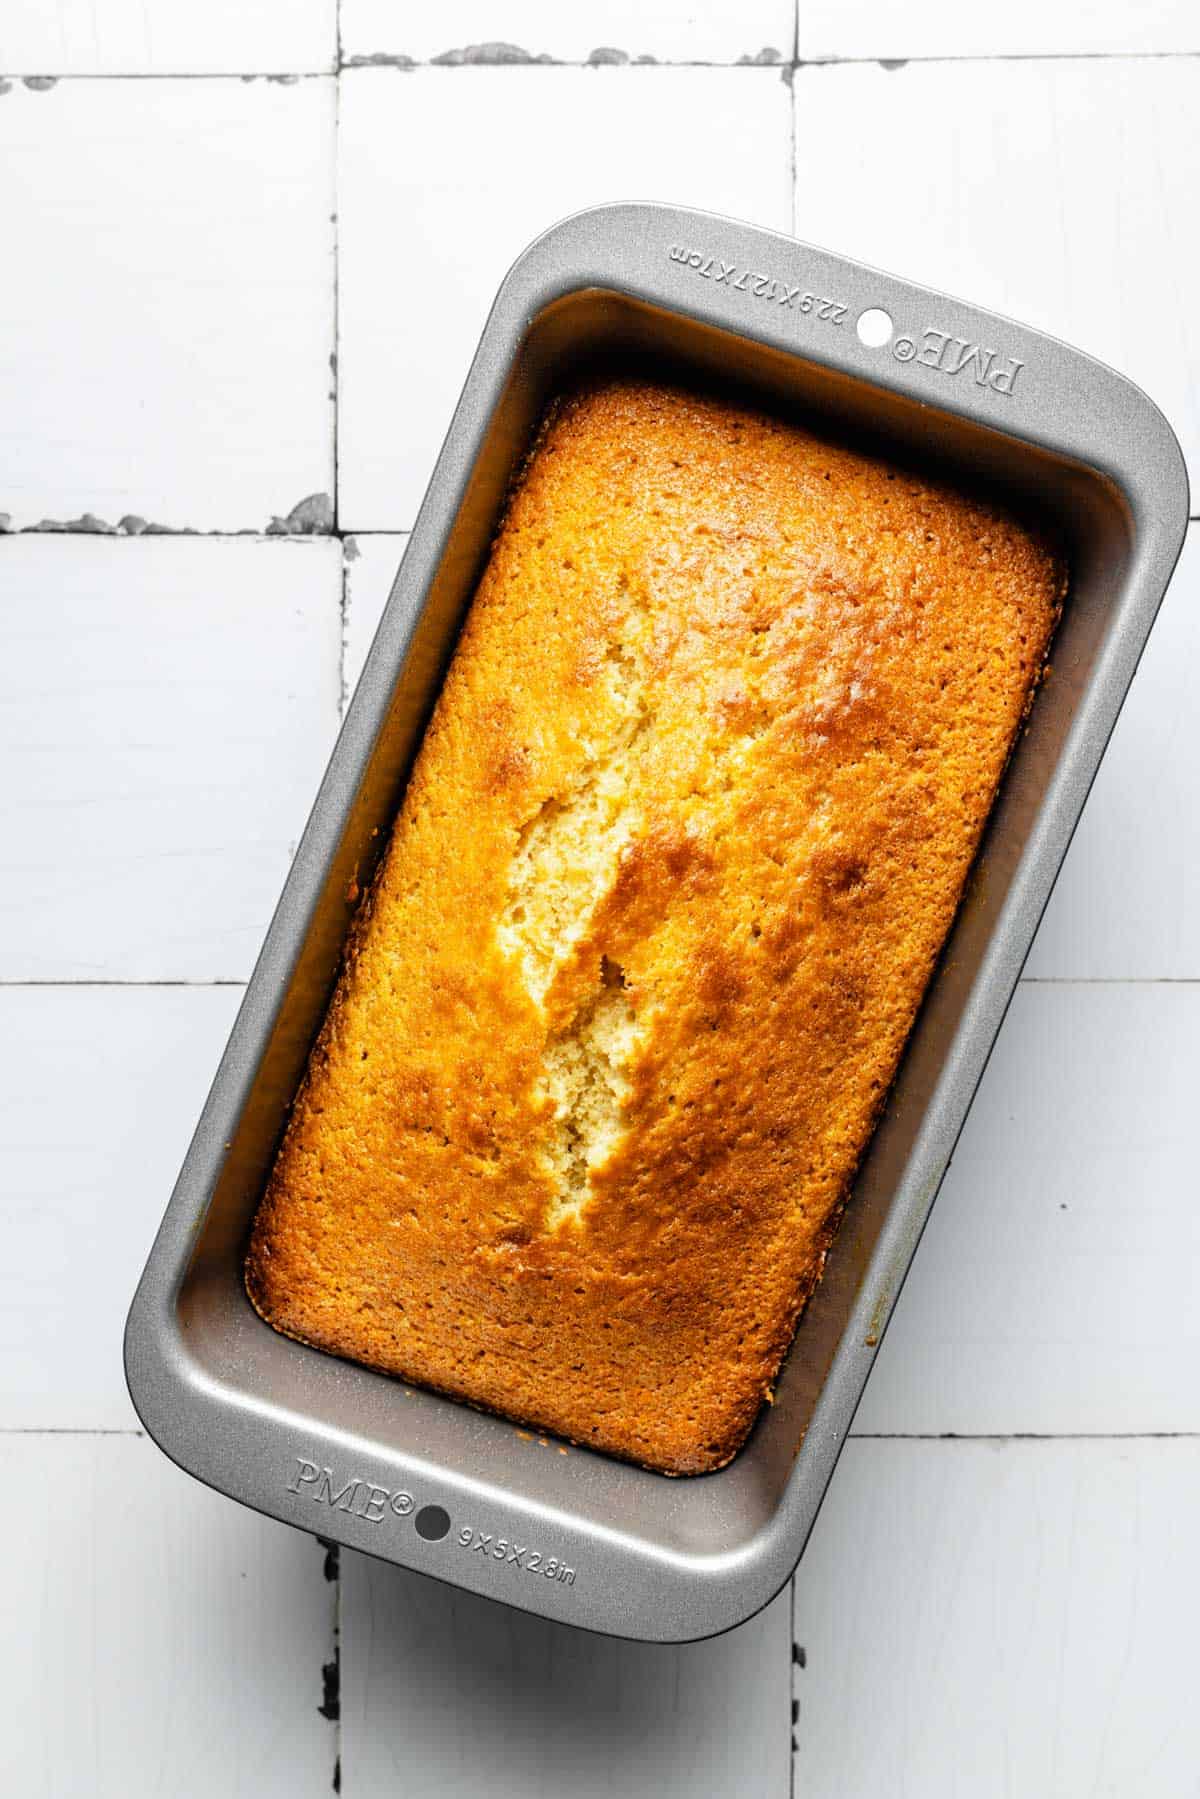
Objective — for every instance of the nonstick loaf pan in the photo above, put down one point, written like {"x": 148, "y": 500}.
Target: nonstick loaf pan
{"x": 421, "y": 1480}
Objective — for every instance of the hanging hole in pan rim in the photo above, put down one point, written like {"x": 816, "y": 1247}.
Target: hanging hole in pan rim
{"x": 874, "y": 327}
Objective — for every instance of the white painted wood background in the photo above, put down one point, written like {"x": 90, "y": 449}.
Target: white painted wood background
{"x": 245, "y": 250}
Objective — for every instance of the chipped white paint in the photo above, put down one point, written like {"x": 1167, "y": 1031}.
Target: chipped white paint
{"x": 167, "y": 300}
{"x": 156, "y": 1642}
{"x": 371, "y": 564}
{"x": 169, "y": 37}
{"x": 445, "y": 1694}
{"x": 1128, "y": 899}
{"x": 946, "y": 28}
{"x": 1057, "y": 1286}
{"x": 1060, "y": 193}
{"x": 169, "y": 707}
{"x": 657, "y": 30}
{"x": 986, "y": 1620}
{"x": 99, "y": 1090}
{"x": 425, "y": 239}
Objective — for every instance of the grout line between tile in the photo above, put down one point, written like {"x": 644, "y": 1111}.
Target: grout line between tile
{"x": 401, "y": 64}
{"x": 335, "y": 367}
{"x": 335, "y": 391}
{"x": 397, "y": 63}
{"x": 330, "y": 1707}
{"x": 1024, "y": 1436}
{"x": 110, "y": 534}
{"x": 67, "y": 1430}
{"x": 344, "y": 646}
{"x": 117, "y": 981}
{"x": 793, "y": 140}
{"x": 795, "y": 1661}
{"x": 1108, "y": 980}
{"x": 277, "y": 78}
{"x": 969, "y": 56}
{"x": 338, "y": 1777}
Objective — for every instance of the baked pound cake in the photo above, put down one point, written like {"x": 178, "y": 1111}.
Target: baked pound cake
{"x": 682, "y": 843}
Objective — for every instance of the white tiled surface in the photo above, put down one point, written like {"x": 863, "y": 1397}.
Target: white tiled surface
{"x": 168, "y": 300}
{"x": 1128, "y": 899}
{"x": 1074, "y": 185}
{"x": 100, "y": 1088}
{"x": 170, "y": 706}
{"x": 154, "y": 1640}
{"x": 978, "y": 1614}
{"x": 1043, "y": 1298}
{"x": 425, "y": 238}
{"x": 988, "y": 1620}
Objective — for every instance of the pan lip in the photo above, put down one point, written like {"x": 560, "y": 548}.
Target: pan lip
{"x": 1058, "y": 400}
{"x": 572, "y": 255}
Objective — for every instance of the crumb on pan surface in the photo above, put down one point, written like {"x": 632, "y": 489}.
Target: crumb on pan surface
{"x": 681, "y": 846}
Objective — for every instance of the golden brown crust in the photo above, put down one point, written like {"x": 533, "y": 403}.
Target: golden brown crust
{"x": 679, "y": 852}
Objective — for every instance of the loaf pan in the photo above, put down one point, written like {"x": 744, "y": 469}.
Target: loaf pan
{"x": 421, "y": 1480}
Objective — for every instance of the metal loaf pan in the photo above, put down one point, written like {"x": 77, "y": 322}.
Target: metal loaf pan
{"x": 418, "y": 1479}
